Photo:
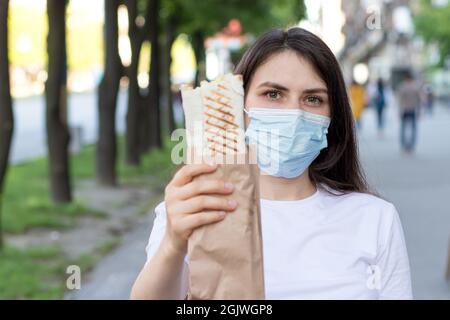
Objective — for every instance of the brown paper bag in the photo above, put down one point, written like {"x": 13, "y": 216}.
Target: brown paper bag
{"x": 226, "y": 258}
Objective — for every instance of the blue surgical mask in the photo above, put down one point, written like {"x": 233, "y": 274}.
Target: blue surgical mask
{"x": 287, "y": 140}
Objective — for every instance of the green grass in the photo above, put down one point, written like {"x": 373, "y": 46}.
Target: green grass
{"x": 156, "y": 163}
{"x": 26, "y": 201}
{"x": 40, "y": 272}
{"x": 31, "y": 273}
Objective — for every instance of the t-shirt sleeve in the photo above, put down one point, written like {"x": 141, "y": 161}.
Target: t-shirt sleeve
{"x": 156, "y": 236}
{"x": 393, "y": 262}
{"x": 158, "y": 231}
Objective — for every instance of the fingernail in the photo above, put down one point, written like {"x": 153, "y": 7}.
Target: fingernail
{"x": 232, "y": 203}
{"x": 222, "y": 213}
{"x": 229, "y": 186}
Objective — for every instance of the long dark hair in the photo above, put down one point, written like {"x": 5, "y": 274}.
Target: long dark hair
{"x": 337, "y": 166}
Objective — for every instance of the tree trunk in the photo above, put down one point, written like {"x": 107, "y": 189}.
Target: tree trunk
{"x": 154, "y": 84}
{"x": 198, "y": 44}
{"x": 56, "y": 97}
{"x": 6, "y": 112}
{"x": 132, "y": 151}
{"x": 170, "y": 38}
{"x": 144, "y": 123}
{"x": 107, "y": 100}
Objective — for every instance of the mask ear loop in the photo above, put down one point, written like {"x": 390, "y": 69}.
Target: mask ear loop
{"x": 246, "y": 111}
{"x": 246, "y": 139}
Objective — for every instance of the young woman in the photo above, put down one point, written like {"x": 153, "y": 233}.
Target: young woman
{"x": 324, "y": 235}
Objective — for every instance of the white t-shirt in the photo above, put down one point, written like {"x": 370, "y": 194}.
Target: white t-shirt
{"x": 326, "y": 247}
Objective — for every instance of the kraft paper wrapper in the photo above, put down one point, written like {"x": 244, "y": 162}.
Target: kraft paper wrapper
{"x": 226, "y": 258}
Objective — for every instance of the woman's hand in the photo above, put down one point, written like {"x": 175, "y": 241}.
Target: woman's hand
{"x": 191, "y": 204}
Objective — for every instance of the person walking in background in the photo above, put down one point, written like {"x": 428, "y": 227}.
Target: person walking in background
{"x": 409, "y": 104}
{"x": 429, "y": 98}
{"x": 358, "y": 101}
{"x": 380, "y": 103}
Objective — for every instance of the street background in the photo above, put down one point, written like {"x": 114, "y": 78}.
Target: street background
{"x": 89, "y": 201}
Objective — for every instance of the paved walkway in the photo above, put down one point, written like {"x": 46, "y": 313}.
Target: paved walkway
{"x": 418, "y": 185}
{"x": 114, "y": 276}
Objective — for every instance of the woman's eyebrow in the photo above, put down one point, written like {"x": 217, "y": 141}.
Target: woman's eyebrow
{"x": 273, "y": 85}
{"x": 315, "y": 90}
{"x": 282, "y": 88}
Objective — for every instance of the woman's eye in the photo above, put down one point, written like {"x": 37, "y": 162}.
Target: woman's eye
{"x": 273, "y": 94}
{"x": 315, "y": 100}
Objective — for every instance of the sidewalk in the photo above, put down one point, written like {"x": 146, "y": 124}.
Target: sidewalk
{"x": 114, "y": 276}
{"x": 419, "y": 186}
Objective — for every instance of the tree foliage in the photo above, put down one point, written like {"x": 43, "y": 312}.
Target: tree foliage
{"x": 433, "y": 24}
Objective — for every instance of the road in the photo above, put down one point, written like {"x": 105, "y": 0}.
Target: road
{"x": 29, "y": 140}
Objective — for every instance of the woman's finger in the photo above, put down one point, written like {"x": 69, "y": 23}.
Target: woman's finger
{"x": 189, "y": 171}
{"x": 195, "y": 188}
{"x": 205, "y": 203}
{"x": 202, "y": 218}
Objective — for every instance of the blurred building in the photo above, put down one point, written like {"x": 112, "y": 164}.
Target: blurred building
{"x": 379, "y": 34}
{"x": 220, "y": 46}
{"x": 372, "y": 38}
{"x": 326, "y": 19}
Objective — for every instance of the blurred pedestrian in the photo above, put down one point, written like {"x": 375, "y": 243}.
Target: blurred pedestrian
{"x": 429, "y": 98}
{"x": 380, "y": 104}
{"x": 409, "y": 104}
{"x": 358, "y": 101}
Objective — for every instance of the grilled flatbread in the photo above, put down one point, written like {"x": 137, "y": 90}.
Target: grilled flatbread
{"x": 225, "y": 258}
{"x": 214, "y": 116}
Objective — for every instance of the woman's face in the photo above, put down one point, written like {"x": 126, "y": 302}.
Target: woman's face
{"x": 288, "y": 81}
